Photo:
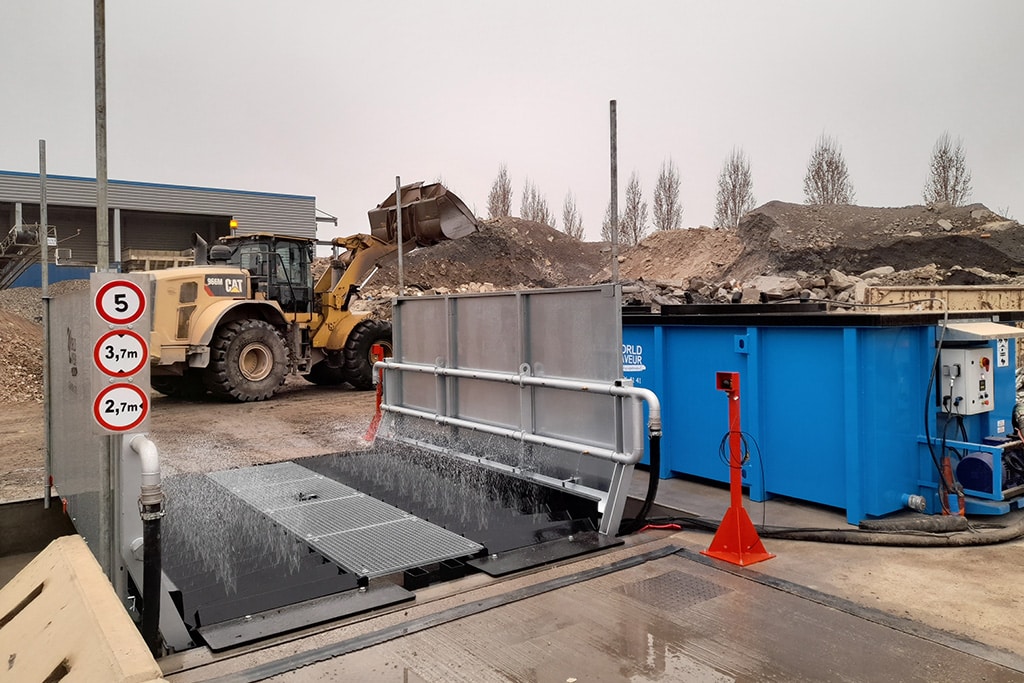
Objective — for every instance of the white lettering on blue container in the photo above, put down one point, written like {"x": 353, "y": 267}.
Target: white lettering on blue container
{"x": 633, "y": 358}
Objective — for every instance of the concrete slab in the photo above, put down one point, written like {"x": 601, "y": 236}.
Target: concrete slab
{"x": 674, "y": 617}
{"x": 967, "y": 591}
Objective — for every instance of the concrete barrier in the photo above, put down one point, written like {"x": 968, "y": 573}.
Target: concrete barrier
{"x": 60, "y": 620}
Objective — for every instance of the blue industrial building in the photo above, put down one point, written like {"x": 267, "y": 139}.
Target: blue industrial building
{"x": 150, "y": 224}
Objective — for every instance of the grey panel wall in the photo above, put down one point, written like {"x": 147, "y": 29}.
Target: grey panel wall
{"x": 255, "y": 211}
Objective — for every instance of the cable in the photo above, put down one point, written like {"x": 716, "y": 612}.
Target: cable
{"x": 744, "y": 458}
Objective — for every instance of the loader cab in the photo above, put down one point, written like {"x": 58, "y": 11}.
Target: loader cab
{"x": 280, "y": 267}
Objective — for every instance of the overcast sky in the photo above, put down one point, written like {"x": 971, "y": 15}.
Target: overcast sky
{"x": 334, "y": 99}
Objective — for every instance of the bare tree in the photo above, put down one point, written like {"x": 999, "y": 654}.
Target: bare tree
{"x": 534, "y": 206}
{"x": 668, "y": 212}
{"x": 572, "y": 223}
{"x": 606, "y": 224}
{"x": 499, "y": 199}
{"x": 633, "y": 226}
{"x": 949, "y": 180}
{"x": 827, "y": 181}
{"x": 735, "y": 190}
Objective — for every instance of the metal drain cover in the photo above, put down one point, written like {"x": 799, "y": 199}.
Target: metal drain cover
{"x": 360, "y": 533}
{"x": 673, "y": 590}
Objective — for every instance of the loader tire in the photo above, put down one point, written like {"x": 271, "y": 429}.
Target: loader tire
{"x": 324, "y": 375}
{"x": 188, "y": 387}
{"x": 358, "y": 359}
{"x": 248, "y": 361}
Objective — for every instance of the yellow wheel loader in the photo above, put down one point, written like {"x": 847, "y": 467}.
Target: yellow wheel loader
{"x": 248, "y": 313}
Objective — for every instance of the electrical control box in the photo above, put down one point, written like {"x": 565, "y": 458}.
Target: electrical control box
{"x": 965, "y": 381}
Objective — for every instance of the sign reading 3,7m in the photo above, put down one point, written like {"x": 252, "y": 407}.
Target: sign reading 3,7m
{"x": 121, "y": 353}
{"x": 120, "y": 302}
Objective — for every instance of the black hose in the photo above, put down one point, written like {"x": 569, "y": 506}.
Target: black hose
{"x": 629, "y": 526}
{"x": 906, "y": 537}
{"x": 936, "y": 524}
{"x": 958, "y": 539}
{"x": 151, "y": 583}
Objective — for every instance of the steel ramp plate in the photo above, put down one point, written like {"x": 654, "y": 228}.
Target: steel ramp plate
{"x": 358, "y": 532}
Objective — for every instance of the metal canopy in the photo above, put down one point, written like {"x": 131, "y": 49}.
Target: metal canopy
{"x": 979, "y": 331}
{"x": 360, "y": 533}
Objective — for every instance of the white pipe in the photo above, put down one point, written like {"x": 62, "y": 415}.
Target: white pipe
{"x": 149, "y": 456}
{"x": 610, "y": 389}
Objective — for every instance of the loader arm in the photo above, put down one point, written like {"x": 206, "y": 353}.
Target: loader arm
{"x": 338, "y": 283}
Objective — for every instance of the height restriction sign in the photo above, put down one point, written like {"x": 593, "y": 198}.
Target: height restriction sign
{"x": 120, "y": 407}
{"x": 121, "y": 353}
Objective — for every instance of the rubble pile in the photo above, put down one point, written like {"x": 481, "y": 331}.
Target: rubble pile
{"x": 779, "y": 252}
{"x": 786, "y": 251}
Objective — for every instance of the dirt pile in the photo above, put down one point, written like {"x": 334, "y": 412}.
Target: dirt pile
{"x": 786, "y": 238}
{"x": 779, "y": 250}
{"x": 21, "y": 338}
{"x": 783, "y": 250}
{"x": 506, "y": 252}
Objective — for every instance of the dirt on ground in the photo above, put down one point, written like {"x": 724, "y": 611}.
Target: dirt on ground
{"x": 935, "y": 244}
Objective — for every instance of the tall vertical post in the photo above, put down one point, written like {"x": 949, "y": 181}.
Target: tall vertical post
{"x": 736, "y": 540}
{"x": 107, "y": 545}
{"x": 100, "y": 61}
{"x": 43, "y": 235}
{"x": 615, "y": 194}
{"x": 115, "y": 262}
{"x": 398, "y": 221}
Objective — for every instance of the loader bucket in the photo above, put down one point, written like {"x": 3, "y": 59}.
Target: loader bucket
{"x": 430, "y": 214}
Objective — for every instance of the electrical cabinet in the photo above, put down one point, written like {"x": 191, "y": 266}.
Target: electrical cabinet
{"x": 965, "y": 383}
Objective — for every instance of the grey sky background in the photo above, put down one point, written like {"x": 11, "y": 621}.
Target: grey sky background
{"x": 334, "y": 99}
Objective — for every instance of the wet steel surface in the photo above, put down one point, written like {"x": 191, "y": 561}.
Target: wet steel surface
{"x": 498, "y": 511}
{"x": 228, "y": 560}
{"x": 363, "y": 535}
{"x": 242, "y": 546}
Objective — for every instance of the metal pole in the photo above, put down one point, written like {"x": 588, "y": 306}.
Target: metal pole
{"x": 116, "y": 261}
{"x": 105, "y": 552}
{"x": 398, "y": 211}
{"x": 102, "y": 227}
{"x": 615, "y": 196}
{"x": 43, "y": 235}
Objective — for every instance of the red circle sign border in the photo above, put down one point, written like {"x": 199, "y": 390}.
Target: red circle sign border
{"x": 98, "y": 302}
{"x": 142, "y": 413}
{"x": 115, "y": 333}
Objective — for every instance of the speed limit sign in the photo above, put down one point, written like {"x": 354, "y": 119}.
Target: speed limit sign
{"x": 120, "y": 302}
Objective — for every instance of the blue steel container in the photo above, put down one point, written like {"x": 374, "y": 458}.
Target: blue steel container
{"x": 835, "y": 402}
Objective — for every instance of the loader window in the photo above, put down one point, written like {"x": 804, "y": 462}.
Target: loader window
{"x": 290, "y": 277}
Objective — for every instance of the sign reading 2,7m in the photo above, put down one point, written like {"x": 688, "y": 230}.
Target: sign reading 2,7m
{"x": 120, "y": 302}
{"x": 120, "y": 407}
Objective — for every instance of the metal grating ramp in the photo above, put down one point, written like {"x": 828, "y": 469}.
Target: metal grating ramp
{"x": 360, "y": 533}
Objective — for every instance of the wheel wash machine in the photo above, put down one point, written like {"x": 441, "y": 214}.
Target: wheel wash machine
{"x": 871, "y": 412}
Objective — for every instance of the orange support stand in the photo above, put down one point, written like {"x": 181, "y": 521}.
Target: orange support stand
{"x": 377, "y": 351}
{"x": 736, "y": 540}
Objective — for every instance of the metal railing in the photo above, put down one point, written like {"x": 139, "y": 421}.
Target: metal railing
{"x": 624, "y": 456}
